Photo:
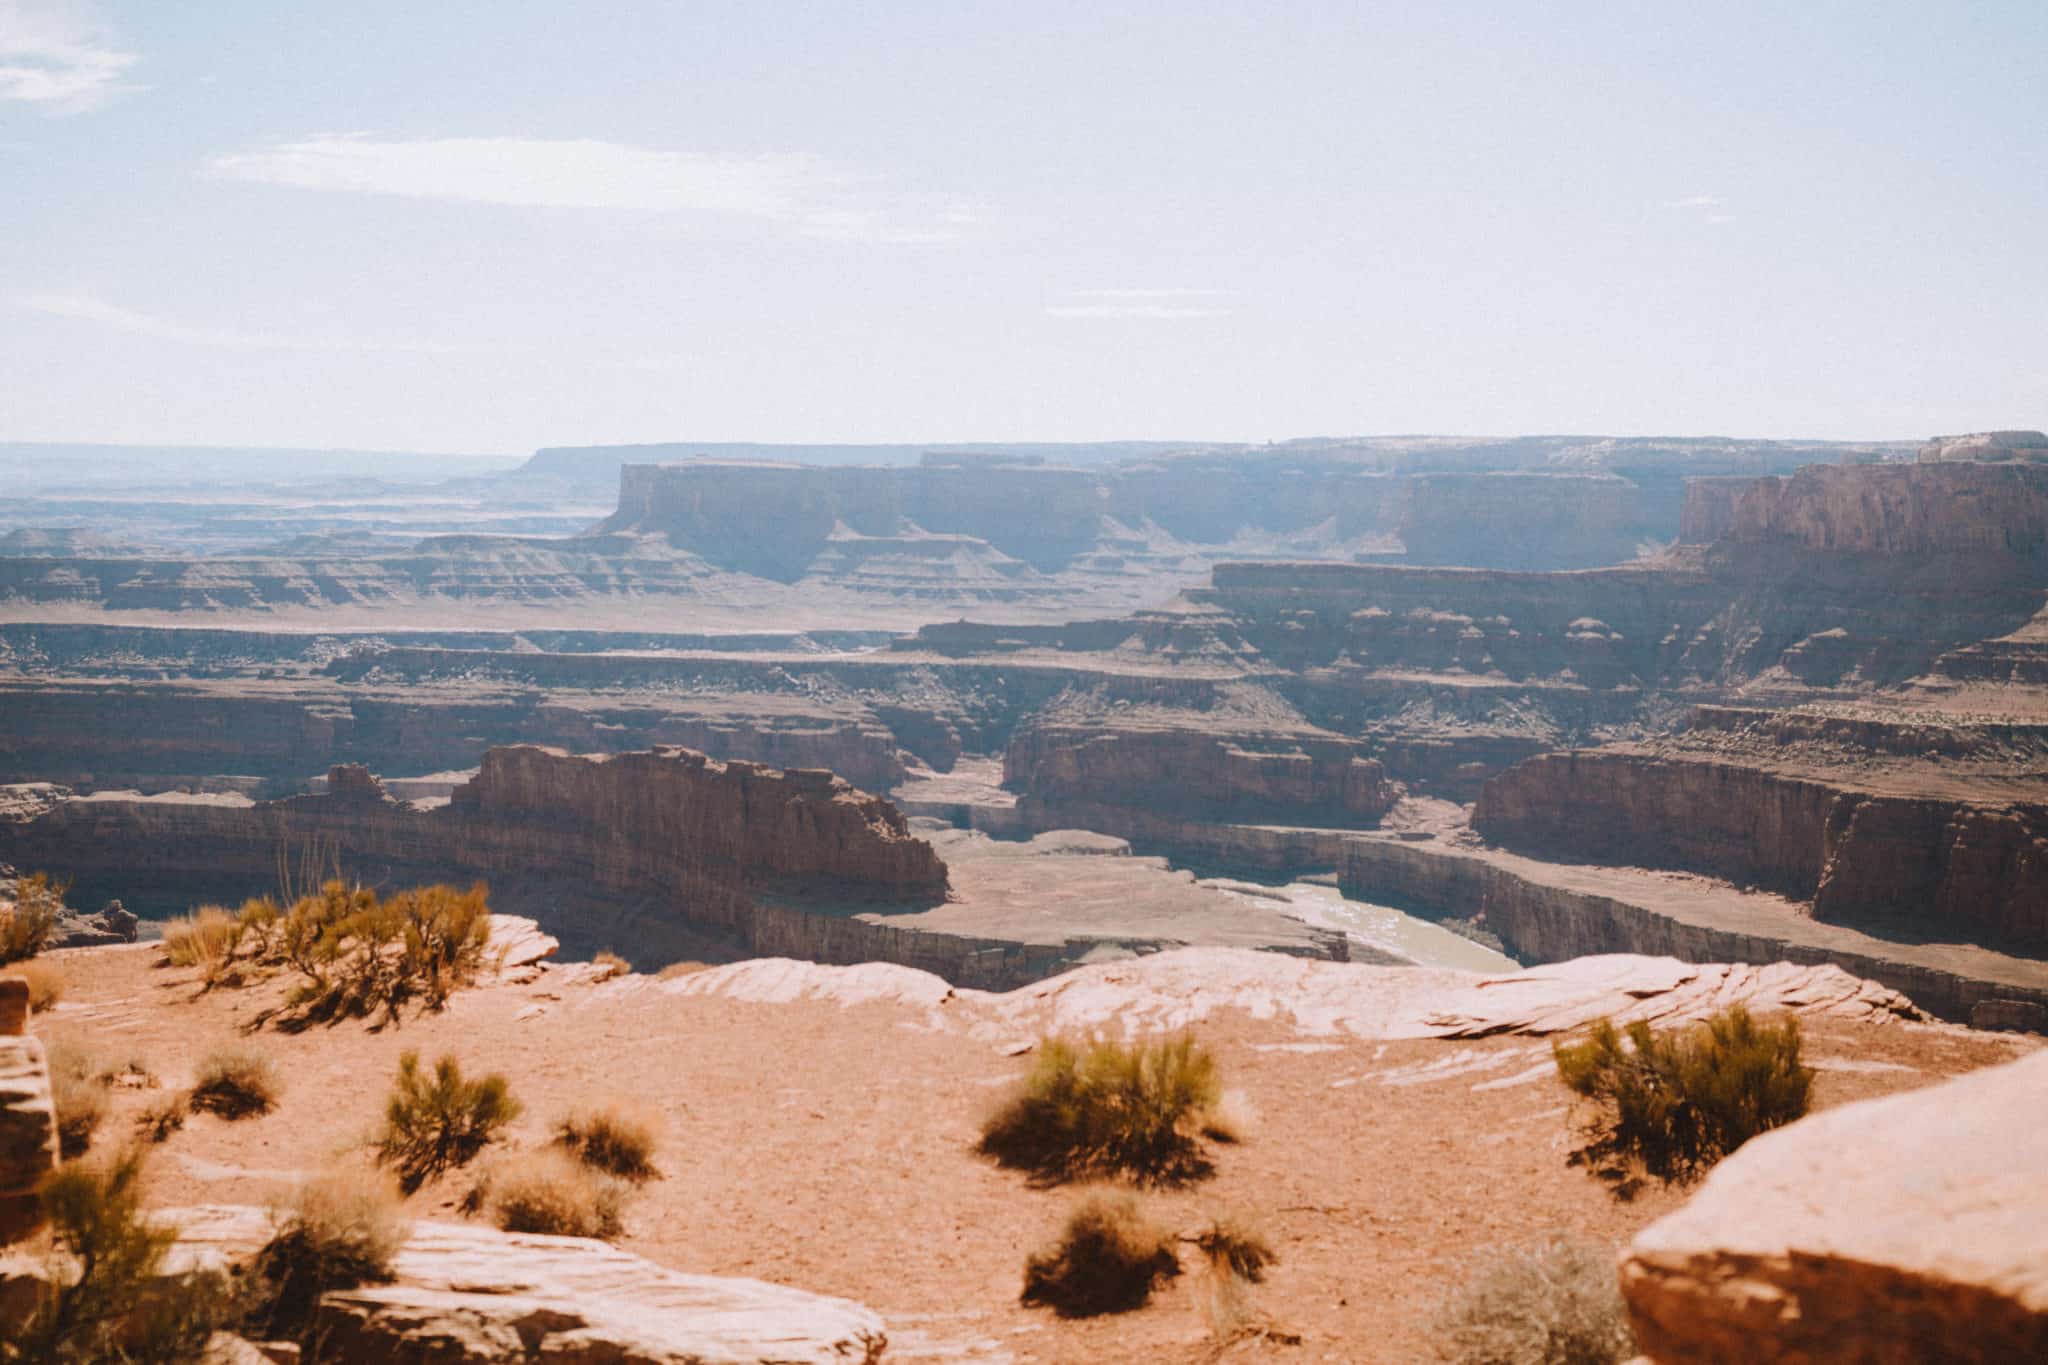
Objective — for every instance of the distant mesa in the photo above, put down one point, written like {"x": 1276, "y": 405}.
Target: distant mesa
{"x": 2030, "y": 447}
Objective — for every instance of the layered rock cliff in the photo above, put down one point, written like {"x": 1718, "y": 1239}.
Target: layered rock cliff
{"x": 1272, "y": 777}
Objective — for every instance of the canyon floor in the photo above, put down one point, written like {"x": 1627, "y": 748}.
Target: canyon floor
{"x": 818, "y": 1130}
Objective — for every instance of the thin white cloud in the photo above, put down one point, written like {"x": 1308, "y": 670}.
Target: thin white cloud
{"x": 1157, "y": 304}
{"x": 83, "y": 307}
{"x": 1695, "y": 201}
{"x": 56, "y": 56}
{"x": 799, "y": 194}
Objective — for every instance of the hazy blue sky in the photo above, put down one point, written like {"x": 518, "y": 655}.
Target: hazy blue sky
{"x": 492, "y": 226}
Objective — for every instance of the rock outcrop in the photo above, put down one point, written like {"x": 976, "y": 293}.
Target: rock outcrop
{"x": 1974, "y": 870}
{"x": 1272, "y": 777}
{"x": 2029, "y": 446}
{"x": 1963, "y": 508}
{"x": 1909, "y": 1228}
{"x": 28, "y": 1120}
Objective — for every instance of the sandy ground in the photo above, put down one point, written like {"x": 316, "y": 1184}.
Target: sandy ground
{"x": 828, "y": 1146}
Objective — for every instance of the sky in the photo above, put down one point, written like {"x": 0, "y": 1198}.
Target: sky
{"x": 495, "y": 226}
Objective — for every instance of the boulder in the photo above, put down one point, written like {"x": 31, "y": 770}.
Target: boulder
{"x": 1909, "y": 1228}
{"x": 470, "y": 1293}
{"x": 28, "y": 1120}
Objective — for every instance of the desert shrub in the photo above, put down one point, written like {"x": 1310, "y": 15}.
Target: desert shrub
{"x": 207, "y": 939}
{"x": 610, "y": 964}
{"x": 1101, "y": 1107}
{"x": 1553, "y": 1304}
{"x": 156, "y": 1122}
{"x": 103, "y": 1304}
{"x": 360, "y": 954}
{"x": 45, "y": 983}
{"x": 549, "y": 1191}
{"x": 1679, "y": 1101}
{"x": 78, "y": 1095}
{"x": 258, "y": 923}
{"x": 432, "y": 1122}
{"x": 1109, "y": 1259}
{"x": 1231, "y": 1119}
{"x": 28, "y": 925}
{"x": 236, "y": 1082}
{"x": 340, "y": 1229}
{"x": 611, "y": 1138}
{"x": 1237, "y": 1257}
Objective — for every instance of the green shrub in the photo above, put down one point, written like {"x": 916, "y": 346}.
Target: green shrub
{"x": 436, "y": 1121}
{"x": 612, "y": 1138}
{"x": 1553, "y": 1304}
{"x": 1107, "y": 1108}
{"x": 549, "y": 1191}
{"x": 360, "y": 954}
{"x": 1109, "y": 1259}
{"x": 1677, "y": 1102}
{"x": 340, "y": 1229}
{"x": 236, "y": 1082}
{"x": 105, "y": 1304}
{"x": 79, "y": 1096}
{"x": 28, "y": 924}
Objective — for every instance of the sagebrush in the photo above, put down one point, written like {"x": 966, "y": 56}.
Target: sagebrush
{"x": 1676, "y": 1102}
{"x": 1100, "y": 1107}
{"x": 1109, "y": 1258}
{"x": 236, "y": 1082}
{"x": 30, "y": 922}
{"x": 339, "y": 1229}
{"x": 78, "y": 1093}
{"x": 550, "y": 1191}
{"x": 1556, "y": 1303}
{"x": 615, "y": 1138}
{"x": 45, "y": 983}
{"x": 439, "y": 1119}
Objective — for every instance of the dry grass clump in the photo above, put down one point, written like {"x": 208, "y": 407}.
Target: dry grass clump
{"x": 45, "y": 983}
{"x": 1109, "y": 1259}
{"x": 1675, "y": 1103}
{"x": 676, "y": 970}
{"x": 236, "y": 1082}
{"x": 612, "y": 1138}
{"x": 610, "y": 964}
{"x": 207, "y": 939}
{"x": 1553, "y": 1304}
{"x": 156, "y": 1122}
{"x": 1102, "y": 1107}
{"x": 1237, "y": 1257}
{"x": 340, "y": 1229}
{"x": 104, "y": 1304}
{"x": 357, "y": 953}
{"x": 79, "y": 1096}
{"x": 27, "y": 925}
{"x": 549, "y": 1191}
{"x": 432, "y": 1122}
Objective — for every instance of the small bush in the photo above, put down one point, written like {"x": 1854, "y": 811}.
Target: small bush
{"x": 1109, "y": 1259}
{"x": 434, "y": 1122}
{"x": 1679, "y": 1101}
{"x": 611, "y": 1138}
{"x": 1238, "y": 1257}
{"x": 1108, "y": 1108}
{"x": 207, "y": 939}
{"x": 156, "y": 1122}
{"x": 360, "y": 954}
{"x": 610, "y": 964}
{"x": 105, "y": 1313}
{"x": 236, "y": 1082}
{"x": 1231, "y": 1119}
{"x": 30, "y": 922}
{"x": 78, "y": 1095}
{"x": 1553, "y": 1304}
{"x": 549, "y": 1191}
{"x": 340, "y": 1229}
{"x": 45, "y": 983}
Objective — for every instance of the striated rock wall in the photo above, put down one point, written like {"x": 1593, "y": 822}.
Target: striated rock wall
{"x": 1709, "y": 508}
{"x": 1958, "y": 508}
{"x": 1523, "y": 521}
{"x": 1975, "y": 870}
{"x": 1275, "y": 778}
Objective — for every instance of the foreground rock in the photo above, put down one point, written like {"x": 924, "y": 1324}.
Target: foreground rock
{"x": 1909, "y": 1228}
{"x": 466, "y": 1293}
{"x": 28, "y": 1121}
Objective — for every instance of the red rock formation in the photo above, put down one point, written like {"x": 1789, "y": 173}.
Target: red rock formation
{"x": 1919, "y": 509}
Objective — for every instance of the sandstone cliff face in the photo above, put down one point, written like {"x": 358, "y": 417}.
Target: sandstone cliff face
{"x": 1970, "y": 870}
{"x": 1961, "y": 508}
{"x": 1523, "y": 521}
{"x": 1277, "y": 778}
{"x": 2031, "y": 446}
{"x": 1709, "y": 508}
